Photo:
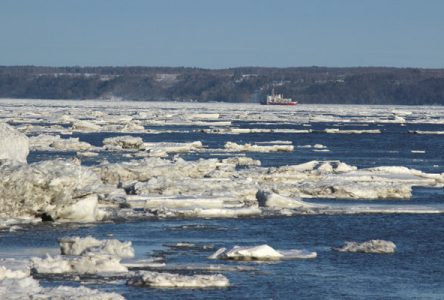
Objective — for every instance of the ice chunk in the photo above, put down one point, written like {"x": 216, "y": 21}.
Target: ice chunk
{"x": 123, "y": 142}
{"x": 60, "y": 189}
{"x": 319, "y": 146}
{"x": 372, "y": 246}
{"x": 204, "y": 116}
{"x": 270, "y": 199}
{"x": 345, "y": 131}
{"x": 241, "y": 161}
{"x": 298, "y": 254}
{"x": 170, "y": 280}
{"x": 79, "y": 246}
{"x": 91, "y": 263}
{"x": 84, "y": 209}
{"x": 83, "y": 125}
{"x": 45, "y": 142}
{"x": 234, "y": 147}
{"x": 74, "y": 293}
{"x": 14, "y": 145}
{"x": 18, "y": 284}
{"x": 426, "y": 132}
{"x": 172, "y": 147}
{"x": 260, "y": 253}
{"x": 209, "y": 212}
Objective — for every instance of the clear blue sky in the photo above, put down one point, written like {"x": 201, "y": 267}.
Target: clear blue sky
{"x": 223, "y": 33}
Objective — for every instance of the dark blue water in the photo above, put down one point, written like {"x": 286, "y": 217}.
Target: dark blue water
{"x": 416, "y": 271}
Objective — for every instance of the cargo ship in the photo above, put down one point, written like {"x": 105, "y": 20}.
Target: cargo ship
{"x": 278, "y": 99}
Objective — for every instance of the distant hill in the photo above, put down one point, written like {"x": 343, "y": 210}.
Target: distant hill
{"x": 361, "y": 85}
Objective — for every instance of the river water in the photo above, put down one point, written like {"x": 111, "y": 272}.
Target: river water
{"x": 415, "y": 271}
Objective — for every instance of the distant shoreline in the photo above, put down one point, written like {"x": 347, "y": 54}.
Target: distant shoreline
{"x": 307, "y": 85}
{"x": 159, "y": 103}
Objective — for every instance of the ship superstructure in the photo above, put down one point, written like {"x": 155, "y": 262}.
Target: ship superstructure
{"x": 278, "y": 99}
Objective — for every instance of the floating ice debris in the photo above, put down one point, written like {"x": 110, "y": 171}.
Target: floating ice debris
{"x": 74, "y": 293}
{"x": 170, "y": 280}
{"x": 123, "y": 142}
{"x": 401, "y": 113}
{"x": 241, "y": 161}
{"x": 46, "y": 142}
{"x": 208, "y": 213}
{"x": 197, "y": 192}
{"x": 275, "y": 143}
{"x": 260, "y": 253}
{"x": 87, "y": 154}
{"x": 184, "y": 202}
{"x": 418, "y": 151}
{"x": 426, "y": 132}
{"x": 235, "y": 131}
{"x": 199, "y": 267}
{"x": 210, "y": 187}
{"x": 372, "y": 246}
{"x": 173, "y": 147}
{"x": 90, "y": 263}
{"x": 270, "y": 199}
{"x": 319, "y": 146}
{"x": 80, "y": 246}
{"x": 19, "y": 284}
{"x": 14, "y": 145}
{"x": 182, "y": 245}
{"x": 349, "y": 131}
{"x": 204, "y": 116}
{"x": 231, "y": 146}
{"x": 83, "y": 125}
{"x": 8, "y": 222}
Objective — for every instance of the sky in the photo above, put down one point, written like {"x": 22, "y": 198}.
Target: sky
{"x": 223, "y": 33}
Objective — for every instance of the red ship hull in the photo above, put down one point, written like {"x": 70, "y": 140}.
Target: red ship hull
{"x": 287, "y": 104}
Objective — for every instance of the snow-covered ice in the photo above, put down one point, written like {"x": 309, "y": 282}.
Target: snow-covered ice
{"x": 17, "y": 283}
{"x": 171, "y": 280}
{"x": 14, "y": 145}
{"x": 80, "y": 246}
{"x": 260, "y": 253}
{"x": 372, "y": 246}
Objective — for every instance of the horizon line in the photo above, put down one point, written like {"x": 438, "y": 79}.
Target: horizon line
{"x": 225, "y": 68}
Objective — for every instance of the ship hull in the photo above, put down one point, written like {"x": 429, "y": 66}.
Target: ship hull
{"x": 286, "y": 104}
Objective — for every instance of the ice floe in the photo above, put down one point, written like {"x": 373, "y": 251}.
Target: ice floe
{"x": 80, "y": 246}
{"x": 260, "y": 253}
{"x": 372, "y": 246}
{"x": 231, "y": 146}
{"x": 86, "y": 256}
{"x": 89, "y": 263}
{"x": 171, "y": 280}
{"x": 85, "y": 126}
{"x": 46, "y": 142}
{"x": 17, "y": 283}
{"x": 123, "y": 142}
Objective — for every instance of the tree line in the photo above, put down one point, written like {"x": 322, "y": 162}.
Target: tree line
{"x": 360, "y": 85}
